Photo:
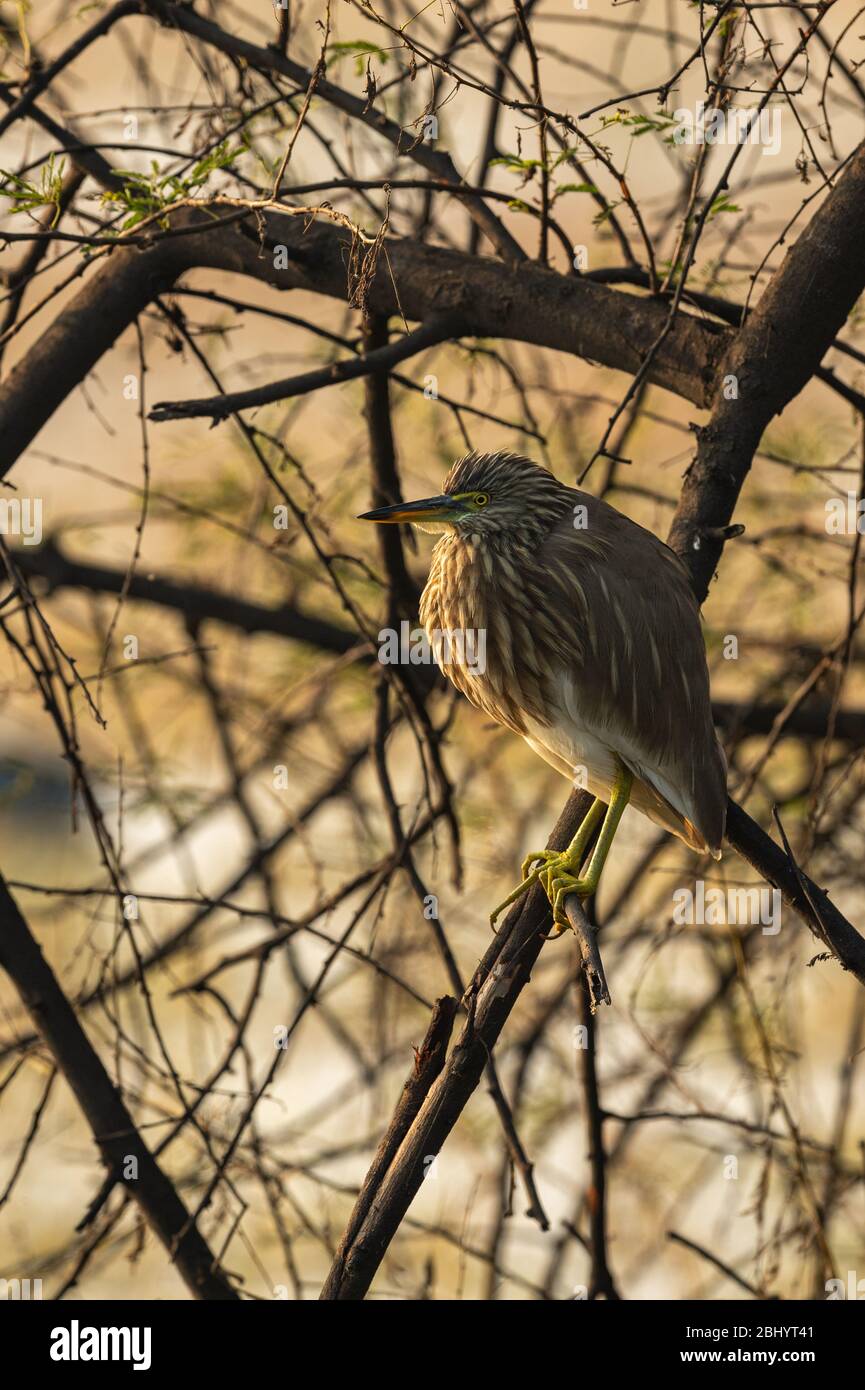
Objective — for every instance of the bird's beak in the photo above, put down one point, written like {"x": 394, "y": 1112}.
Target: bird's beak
{"x": 442, "y": 508}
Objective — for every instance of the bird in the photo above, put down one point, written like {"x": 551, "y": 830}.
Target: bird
{"x": 593, "y": 653}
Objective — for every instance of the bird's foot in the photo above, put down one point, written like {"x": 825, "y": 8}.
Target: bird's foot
{"x": 529, "y": 876}
{"x": 560, "y": 877}
{"x": 558, "y": 873}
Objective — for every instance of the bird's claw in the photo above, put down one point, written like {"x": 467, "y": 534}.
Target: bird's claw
{"x": 559, "y": 882}
{"x": 529, "y": 877}
{"x": 538, "y": 856}
{"x": 557, "y": 878}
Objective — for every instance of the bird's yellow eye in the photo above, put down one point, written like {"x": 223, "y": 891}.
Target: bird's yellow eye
{"x": 481, "y": 499}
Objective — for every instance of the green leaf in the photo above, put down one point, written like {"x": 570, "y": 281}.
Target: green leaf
{"x": 722, "y": 204}
{"x": 27, "y": 196}
{"x": 639, "y": 124}
{"x": 359, "y": 49}
{"x": 573, "y": 188}
{"x": 145, "y": 194}
{"x": 516, "y": 164}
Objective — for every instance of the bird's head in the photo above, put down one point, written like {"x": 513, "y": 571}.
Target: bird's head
{"x": 484, "y": 495}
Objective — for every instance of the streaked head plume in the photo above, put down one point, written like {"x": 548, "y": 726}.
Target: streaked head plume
{"x": 515, "y": 494}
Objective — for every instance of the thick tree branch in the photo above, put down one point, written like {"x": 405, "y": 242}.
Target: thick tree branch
{"x": 811, "y": 294}
{"x": 403, "y": 593}
{"x": 498, "y": 981}
{"x": 771, "y": 358}
{"x": 375, "y": 361}
{"x": 49, "y": 562}
{"x": 195, "y": 602}
{"x": 490, "y": 300}
{"x": 428, "y": 1062}
{"x": 270, "y": 60}
{"x": 43, "y": 77}
{"x": 742, "y": 371}
{"x": 87, "y": 160}
{"x": 112, "y": 1126}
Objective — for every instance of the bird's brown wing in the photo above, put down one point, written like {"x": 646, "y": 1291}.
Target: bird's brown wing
{"x": 634, "y": 661}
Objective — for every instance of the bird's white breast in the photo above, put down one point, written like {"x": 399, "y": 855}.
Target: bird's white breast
{"x": 575, "y": 751}
{"x": 587, "y": 752}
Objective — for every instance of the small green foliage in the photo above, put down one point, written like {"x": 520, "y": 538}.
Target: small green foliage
{"x": 142, "y": 195}
{"x": 572, "y": 188}
{"x": 360, "y": 50}
{"x": 26, "y": 196}
{"x": 727, "y": 24}
{"x": 638, "y": 124}
{"x": 606, "y": 213}
{"x": 722, "y": 204}
{"x": 517, "y": 165}
{"x": 575, "y": 188}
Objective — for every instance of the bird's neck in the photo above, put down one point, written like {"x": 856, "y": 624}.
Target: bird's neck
{"x": 466, "y": 573}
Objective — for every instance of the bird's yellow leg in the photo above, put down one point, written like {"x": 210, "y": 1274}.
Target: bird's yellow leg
{"x": 560, "y": 876}
{"x": 543, "y": 857}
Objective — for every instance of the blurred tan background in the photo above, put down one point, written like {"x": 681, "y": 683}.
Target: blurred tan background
{"x": 782, "y": 591}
